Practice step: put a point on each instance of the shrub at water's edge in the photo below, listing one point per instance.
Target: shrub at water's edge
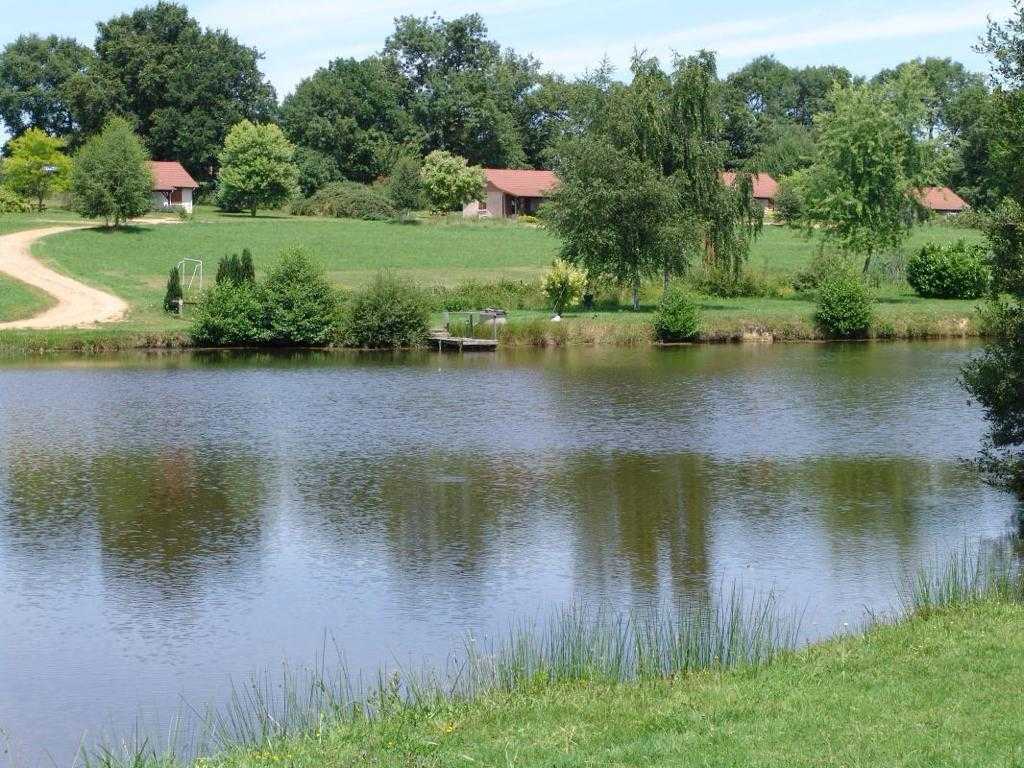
(230, 314)
(389, 313)
(302, 305)
(844, 308)
(295, 305)
(678, 316)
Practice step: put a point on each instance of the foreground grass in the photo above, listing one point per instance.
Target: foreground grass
(941, 690)
(721, 687)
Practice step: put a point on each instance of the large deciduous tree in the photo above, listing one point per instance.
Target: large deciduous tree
(111, 178)
(352, 113)
(465, 93)
(996, 379)
(871, 159)
(185, 86)
(35, 73)
(37, 166)
(618, 217)
(257, 168)
(659, 137)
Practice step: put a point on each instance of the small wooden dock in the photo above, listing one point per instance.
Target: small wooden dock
(445, 342)
(442, 337)
(464, 344)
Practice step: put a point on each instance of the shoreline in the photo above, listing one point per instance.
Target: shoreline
(517, 334)
(726, 684)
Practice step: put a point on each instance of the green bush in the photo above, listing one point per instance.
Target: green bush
(405, 188)
(724, 284)
(12, 203)
(564, 285)
(955, 271)
(504, 294)
(388, 313)
(824, 266)
(302, 305)
(347, 200)
(677, 317)
(230, 314)
(844, 308)
(789, 205)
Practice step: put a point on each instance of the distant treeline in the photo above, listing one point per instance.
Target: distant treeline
(435, 84)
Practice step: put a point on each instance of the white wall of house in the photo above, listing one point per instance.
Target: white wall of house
(495, 205)
(162, 202)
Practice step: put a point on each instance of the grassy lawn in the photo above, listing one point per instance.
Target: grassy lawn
(16, 222)
(133, 264)
(943, 690)
(18, 300)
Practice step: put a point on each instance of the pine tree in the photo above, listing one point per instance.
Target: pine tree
(246, 268)
(174, 294)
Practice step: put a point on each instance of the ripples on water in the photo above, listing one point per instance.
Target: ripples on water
(169, 521)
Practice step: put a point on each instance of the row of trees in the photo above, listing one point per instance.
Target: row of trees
(437, 84)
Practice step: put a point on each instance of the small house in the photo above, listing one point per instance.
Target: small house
(765, 187)
(172, 186)
(512, 193)
(942, 200)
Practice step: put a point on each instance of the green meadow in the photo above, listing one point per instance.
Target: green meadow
(134, 262)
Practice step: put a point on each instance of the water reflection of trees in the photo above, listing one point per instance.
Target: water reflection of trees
(642, 522)
(435, 516)
(162, 522)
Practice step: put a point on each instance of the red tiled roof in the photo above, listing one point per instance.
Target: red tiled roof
(765, 187)
(170, 175)
(941, 199)
(521, 183)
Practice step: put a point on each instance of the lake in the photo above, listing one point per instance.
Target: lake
(169, 522)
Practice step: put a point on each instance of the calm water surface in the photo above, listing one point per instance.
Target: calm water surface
(168, 522)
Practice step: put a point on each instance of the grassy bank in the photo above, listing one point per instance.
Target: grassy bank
(444, 254)
(938, 687)
(18, 300)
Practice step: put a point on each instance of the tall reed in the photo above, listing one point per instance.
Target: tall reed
(576, 644)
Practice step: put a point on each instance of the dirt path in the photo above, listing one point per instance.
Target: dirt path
(77, 304)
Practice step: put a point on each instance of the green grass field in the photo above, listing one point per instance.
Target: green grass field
(133, 263)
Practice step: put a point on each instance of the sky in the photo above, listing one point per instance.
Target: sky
(570, 36)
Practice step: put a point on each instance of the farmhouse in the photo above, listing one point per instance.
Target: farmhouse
(765, 187)
(172, 186)
(512, 192)
(942, 200)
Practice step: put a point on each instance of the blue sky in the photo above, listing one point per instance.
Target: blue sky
(569, 36)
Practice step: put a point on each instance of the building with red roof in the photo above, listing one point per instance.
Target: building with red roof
(765, 187)
(512, 192)
(172, 185)
(942, 200)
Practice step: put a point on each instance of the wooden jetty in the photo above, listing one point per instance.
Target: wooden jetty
(445, 341)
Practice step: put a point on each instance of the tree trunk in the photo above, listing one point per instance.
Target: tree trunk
(636, 296)
(867, 263)
(252, 212)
